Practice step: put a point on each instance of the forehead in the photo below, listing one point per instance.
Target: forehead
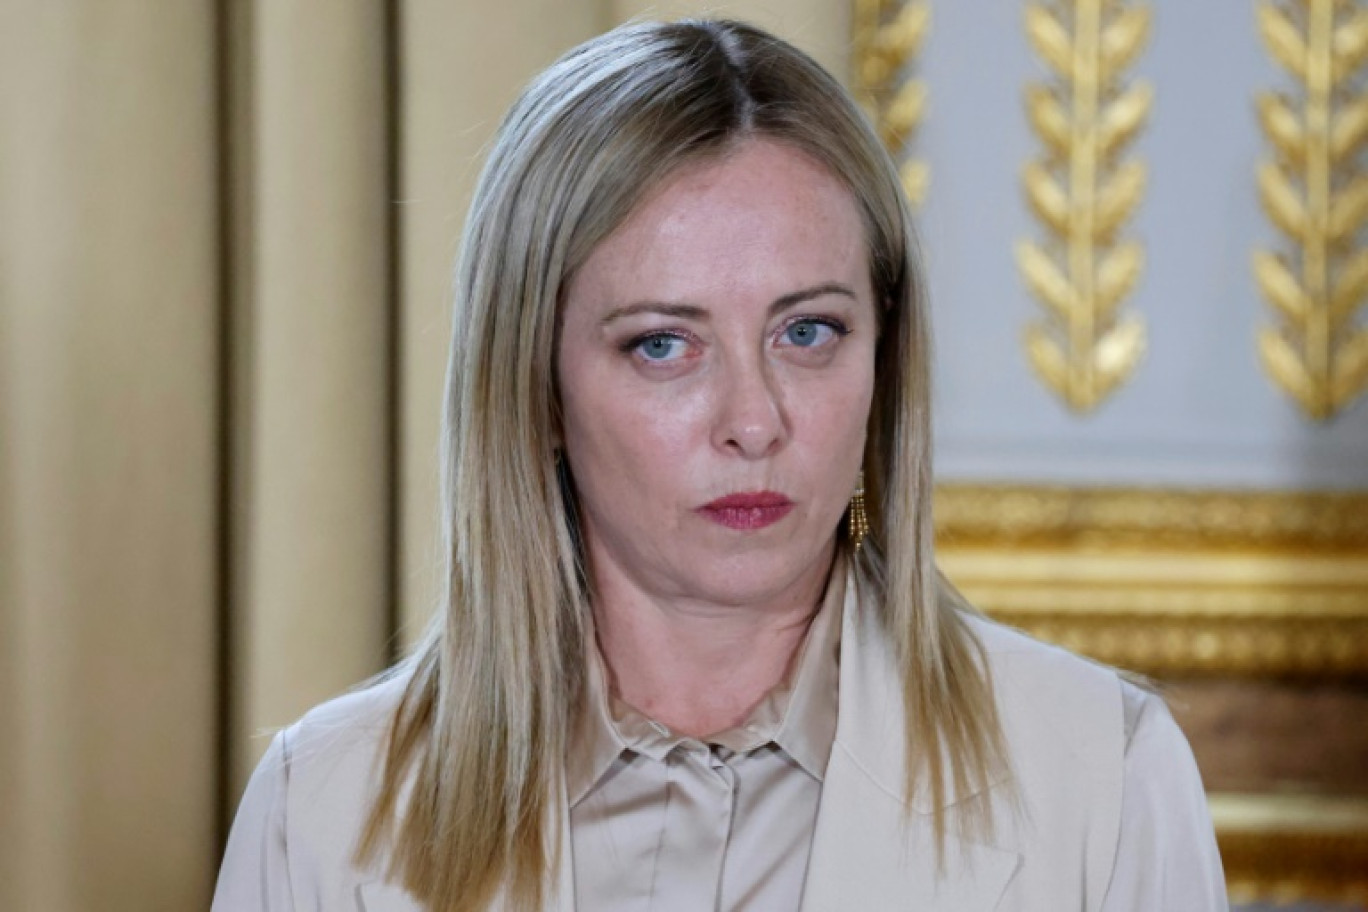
(764, 218)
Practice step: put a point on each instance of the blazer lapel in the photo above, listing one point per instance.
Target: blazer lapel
(869, 850)
(869, 853)
(564, 880)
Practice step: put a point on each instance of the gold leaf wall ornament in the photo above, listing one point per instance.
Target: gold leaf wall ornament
(888, 35)
(1083, 347)
(1315, 192)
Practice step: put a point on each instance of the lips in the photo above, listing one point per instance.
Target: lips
(748, 511)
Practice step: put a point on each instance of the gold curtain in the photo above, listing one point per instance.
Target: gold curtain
(109, 341)
(226, 233)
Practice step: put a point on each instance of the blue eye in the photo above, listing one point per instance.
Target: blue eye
(660, 347)
(808, 333)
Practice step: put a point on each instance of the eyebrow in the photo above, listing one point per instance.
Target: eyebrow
(694, 312)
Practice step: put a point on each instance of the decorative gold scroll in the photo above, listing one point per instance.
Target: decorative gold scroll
(888, 35)
(1082, 195)
(1314, 191)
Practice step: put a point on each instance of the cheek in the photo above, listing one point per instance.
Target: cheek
(621, 439)
(836, 418)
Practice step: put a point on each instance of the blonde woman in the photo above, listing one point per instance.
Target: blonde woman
(694, 653)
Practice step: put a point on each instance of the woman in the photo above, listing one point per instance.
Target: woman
(694, 653)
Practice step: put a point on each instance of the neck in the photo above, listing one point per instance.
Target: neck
(695, 667)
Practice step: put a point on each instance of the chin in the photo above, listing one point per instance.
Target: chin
(754, 575)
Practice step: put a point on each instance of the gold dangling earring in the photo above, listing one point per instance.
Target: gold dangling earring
(859, 519)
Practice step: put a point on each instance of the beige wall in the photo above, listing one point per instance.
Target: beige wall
(226, 235)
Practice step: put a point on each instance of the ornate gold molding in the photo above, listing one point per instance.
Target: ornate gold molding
(888, 34)
(1291, 847)
(1058, 515)
(1323, 644)
(1314, 191)
(1170, 582)
(1083, 349)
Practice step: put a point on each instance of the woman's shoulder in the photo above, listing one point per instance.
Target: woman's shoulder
(1063, 702)
(1099, 760)
(334, 752)
(354, 722)
(297, 826)
(329, 763)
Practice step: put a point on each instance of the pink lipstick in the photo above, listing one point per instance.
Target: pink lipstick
(748, 511)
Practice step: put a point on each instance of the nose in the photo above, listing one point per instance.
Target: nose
(752, 420)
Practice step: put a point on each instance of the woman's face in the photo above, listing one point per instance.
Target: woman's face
(716, 367)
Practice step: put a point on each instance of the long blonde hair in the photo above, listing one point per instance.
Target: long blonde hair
(468, 803)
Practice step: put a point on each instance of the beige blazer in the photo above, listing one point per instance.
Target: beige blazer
(1110, 816)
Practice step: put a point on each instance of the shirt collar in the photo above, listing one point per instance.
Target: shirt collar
(799, 714)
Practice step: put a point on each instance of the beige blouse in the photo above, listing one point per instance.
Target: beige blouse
(660, 821)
